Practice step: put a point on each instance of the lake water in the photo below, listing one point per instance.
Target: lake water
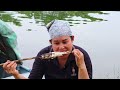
(100, 39)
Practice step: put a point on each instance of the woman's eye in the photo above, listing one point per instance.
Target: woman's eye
(56, 43)
(65, 42)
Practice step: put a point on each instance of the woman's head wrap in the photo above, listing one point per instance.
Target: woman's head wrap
(58, 28)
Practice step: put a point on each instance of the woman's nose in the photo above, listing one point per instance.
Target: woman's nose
(61, 46)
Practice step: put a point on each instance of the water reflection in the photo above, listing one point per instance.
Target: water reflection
(47, 16)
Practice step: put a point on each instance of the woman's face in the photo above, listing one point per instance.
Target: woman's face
(62, 44)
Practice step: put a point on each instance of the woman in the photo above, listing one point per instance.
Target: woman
(75, 65)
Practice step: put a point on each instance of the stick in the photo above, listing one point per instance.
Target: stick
(20, 60)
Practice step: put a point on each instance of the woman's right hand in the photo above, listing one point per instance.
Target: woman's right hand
(10, 67)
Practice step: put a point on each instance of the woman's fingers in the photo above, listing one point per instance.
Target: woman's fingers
(77, 53)
(79, 57)
(5, 64)
(10, 66)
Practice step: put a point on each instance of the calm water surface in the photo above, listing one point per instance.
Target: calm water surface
(100, 38)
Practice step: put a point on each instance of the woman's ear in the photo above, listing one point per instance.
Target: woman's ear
(72, 38)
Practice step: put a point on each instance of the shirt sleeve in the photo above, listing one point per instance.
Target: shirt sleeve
(88, 64)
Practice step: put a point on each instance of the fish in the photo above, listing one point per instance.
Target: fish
(52, 55)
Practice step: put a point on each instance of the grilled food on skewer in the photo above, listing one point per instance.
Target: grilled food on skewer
(50, 55)
(53, 55)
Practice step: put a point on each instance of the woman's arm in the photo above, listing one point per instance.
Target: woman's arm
(82, 70)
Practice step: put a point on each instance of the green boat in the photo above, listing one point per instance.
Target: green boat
(9, 49)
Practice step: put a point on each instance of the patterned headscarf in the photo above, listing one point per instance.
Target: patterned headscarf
(58, 28)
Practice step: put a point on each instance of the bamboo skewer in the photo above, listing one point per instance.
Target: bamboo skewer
(50, 55)
(20, 60)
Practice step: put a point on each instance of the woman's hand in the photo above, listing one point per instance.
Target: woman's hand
(79, 58)
(10, 67)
